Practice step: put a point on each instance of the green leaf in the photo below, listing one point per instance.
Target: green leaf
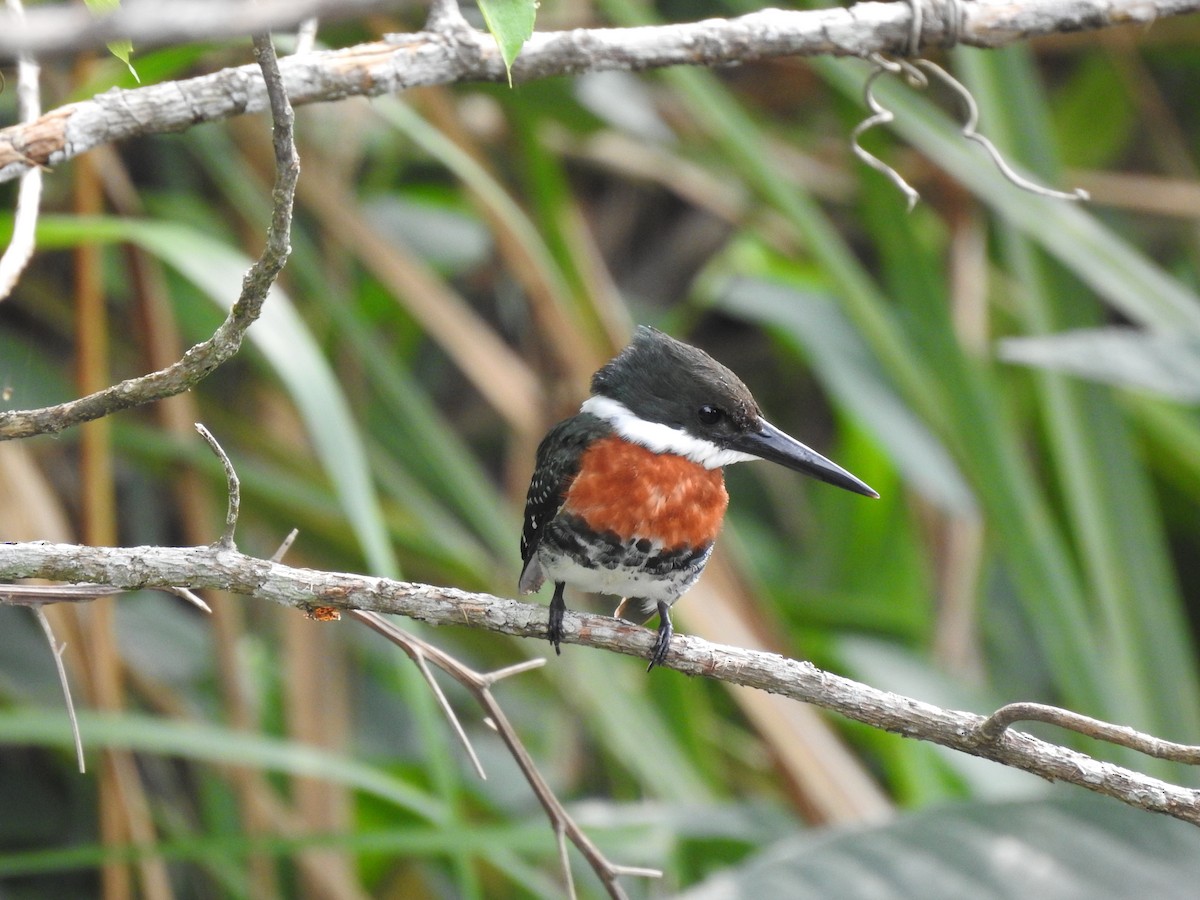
(201, 742)
(122, 50)
(511, 24)
(1082, 847)
(1168, 364)
(846, 368)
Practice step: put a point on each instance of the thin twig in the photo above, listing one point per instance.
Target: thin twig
(57, 650)
(191, 598)
(233, 487)
(306, 36)
(880, 115)
(480, 684)
(42, 594)
(1122, 735)
(206, 356)
(970, 132)
(415, 648)
(29, 106)
(284, 547)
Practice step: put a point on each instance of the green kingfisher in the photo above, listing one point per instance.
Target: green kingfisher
(627, 496)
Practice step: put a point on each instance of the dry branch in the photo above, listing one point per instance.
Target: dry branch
(135, 568)
(67, 28)
(480, 685)
(460, 54)
(206, 356)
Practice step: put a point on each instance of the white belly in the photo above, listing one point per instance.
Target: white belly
(620, 581)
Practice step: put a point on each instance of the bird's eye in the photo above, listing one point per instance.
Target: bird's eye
(708, 415)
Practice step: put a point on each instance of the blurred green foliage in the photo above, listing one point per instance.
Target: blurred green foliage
(463, 259)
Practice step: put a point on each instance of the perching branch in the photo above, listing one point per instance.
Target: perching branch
(206, 356)
(457, 53)
(134, 568)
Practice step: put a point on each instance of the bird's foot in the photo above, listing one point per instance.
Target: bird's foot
(662, 644)
(554, 628)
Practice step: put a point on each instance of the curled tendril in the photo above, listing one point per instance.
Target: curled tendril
(914, 74)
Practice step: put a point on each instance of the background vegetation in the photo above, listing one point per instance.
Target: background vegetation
(464, 258)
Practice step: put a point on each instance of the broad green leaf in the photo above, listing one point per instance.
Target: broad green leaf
(1168, 364)
(845, 366)
(1076, 847)
(215, 744)
(511, 24)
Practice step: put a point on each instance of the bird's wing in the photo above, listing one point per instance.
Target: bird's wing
(558, 458)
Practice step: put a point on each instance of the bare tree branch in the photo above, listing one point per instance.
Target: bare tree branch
(66, 28)
(457, 53)
(206, 356)
(308, 589)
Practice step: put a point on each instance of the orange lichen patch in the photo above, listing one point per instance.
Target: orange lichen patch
(630, 490)
(324, 614)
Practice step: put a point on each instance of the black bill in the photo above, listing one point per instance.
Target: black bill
(775, 446)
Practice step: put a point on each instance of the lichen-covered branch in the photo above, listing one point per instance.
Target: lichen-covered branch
(458, 53)
(60, 29)
(199, 361)
(215, 567)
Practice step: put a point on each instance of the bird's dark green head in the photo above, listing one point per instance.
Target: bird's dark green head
(673, 398)
(660, 379)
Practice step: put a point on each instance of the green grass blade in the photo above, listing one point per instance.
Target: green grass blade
(284, 341)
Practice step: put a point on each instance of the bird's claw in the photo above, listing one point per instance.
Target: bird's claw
(554, 627)
(662, 644)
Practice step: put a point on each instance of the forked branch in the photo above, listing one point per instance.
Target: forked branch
(480, 686)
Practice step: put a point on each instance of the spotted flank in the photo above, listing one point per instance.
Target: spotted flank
(603, 563)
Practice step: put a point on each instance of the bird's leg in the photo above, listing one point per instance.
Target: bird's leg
(663, 643)
(554, 630)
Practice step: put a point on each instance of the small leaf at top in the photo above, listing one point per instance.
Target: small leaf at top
(511, 24)
(122, 50)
